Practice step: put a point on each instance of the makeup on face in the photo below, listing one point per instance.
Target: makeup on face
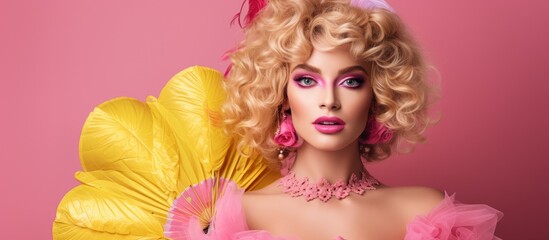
(329, 96)
(306, 76)
(329, 125)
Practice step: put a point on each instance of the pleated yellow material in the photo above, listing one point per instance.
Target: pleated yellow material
(138, 157)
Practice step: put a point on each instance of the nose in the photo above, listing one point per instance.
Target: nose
(330, 100)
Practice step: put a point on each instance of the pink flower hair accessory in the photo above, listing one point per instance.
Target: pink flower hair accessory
(375, 132)
(286, 135)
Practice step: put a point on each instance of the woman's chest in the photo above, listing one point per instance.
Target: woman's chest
(350, 220)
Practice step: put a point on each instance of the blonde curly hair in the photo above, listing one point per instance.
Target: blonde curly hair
(285, 32)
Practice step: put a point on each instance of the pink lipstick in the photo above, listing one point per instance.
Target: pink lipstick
(329, 125)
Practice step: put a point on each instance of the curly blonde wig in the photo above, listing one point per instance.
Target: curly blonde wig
(285, 33)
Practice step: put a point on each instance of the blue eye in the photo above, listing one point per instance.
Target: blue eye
(352, 82)
(305, 81)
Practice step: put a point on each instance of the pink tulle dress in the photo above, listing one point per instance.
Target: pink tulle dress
(449, 220)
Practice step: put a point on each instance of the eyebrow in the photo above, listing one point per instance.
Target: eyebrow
(316, 70)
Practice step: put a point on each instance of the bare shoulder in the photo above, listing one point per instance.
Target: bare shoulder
(269, 190)
(416, 200)
(260, 197)
(259, 203)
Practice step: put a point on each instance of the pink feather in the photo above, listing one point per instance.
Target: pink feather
(254, 6)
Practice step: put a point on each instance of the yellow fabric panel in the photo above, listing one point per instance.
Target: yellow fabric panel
(132, 186)
(88, 212)
(123, 135)
(249, 172)
(194, 97)
(189, 171)
(117, 136)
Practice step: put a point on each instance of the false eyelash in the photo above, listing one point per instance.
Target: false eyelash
(297, 79)
(360, 81)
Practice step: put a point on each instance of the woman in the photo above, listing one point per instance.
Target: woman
(316, 89)
(352, 82)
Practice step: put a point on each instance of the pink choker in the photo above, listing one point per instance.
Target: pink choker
(323, 190)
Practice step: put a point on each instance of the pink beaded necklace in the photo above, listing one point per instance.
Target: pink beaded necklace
(324, 190)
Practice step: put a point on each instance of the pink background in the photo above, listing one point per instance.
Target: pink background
(61, 58)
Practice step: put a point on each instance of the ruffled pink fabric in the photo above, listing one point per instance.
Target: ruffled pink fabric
(229, 218)
(450, 220)
(453, 220)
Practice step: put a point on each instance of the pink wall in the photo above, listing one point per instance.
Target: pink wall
(61, 58)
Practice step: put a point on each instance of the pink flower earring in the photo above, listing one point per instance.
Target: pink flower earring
(375, 132)
(286, 135)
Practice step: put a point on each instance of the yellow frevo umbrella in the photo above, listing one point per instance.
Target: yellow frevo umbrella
(137, 158)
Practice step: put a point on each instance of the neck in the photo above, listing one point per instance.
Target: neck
(331, 165)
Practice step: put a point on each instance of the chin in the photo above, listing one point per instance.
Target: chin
(329, 145)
